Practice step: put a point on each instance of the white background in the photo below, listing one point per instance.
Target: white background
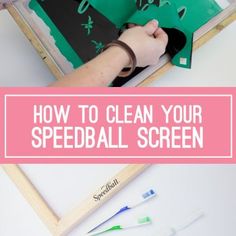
(182, 189)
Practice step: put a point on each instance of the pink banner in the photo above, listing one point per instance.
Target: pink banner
(117, 125)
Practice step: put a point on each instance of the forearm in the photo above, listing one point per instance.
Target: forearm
(147, 43)
(100, 71)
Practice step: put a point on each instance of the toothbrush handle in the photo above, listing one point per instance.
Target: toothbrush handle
(122, 210)
(190, 220)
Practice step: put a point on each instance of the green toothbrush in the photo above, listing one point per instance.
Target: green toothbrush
(141, 222)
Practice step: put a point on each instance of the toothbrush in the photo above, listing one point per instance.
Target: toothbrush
(145, 197)
(173, 230)
(141, 222)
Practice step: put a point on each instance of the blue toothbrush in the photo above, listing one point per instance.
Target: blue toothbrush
(145, 197)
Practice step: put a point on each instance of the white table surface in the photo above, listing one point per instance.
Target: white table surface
(181, 189)
(20, 65)
(213, 65)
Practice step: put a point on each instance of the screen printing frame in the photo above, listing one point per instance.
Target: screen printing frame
(59, 66)
(51, 56)
(60, 226)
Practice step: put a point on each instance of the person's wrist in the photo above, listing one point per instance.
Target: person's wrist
(122, 54)
(129, 52)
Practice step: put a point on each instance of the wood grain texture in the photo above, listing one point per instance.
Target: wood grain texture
(86, 208)
(155, 76)
(63, 226)
(33, 197)
(34, 40)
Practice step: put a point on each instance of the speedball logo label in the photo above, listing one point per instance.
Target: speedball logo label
(105, 189)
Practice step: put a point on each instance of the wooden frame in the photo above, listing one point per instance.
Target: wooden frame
(197, 44)
(62, 226)
(215, 26)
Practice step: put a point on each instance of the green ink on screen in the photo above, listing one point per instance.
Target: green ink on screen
(98, 46)
(190, 12)
(89, 25)
(195, 16)
(62, 44)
